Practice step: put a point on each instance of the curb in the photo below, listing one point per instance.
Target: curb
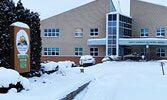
(71, 95)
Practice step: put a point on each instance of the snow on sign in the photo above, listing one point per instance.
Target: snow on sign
(20, 40)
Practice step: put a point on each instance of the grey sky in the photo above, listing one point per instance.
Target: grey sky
(48, 8)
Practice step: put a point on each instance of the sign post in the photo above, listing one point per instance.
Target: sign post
(20, 41)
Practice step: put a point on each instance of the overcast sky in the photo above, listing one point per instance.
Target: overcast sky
(48, 8)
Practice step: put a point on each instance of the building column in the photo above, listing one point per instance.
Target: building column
(117, 36)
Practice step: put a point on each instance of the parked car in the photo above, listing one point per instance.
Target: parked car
(86, 60)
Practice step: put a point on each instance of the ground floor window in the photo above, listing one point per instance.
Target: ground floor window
(143, 51)
(127, 51)
(51, 51)
(94, 51)
(78, 51)
(160, 52)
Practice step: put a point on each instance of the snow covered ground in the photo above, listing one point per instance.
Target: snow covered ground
(51, 87)
(127, 80)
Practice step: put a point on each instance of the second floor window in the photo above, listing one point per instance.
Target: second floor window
(144, 32)
(160, 32)
(51, 32)
(93, 32)
(78, 32)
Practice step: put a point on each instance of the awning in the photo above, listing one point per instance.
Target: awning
(131, 41)
(143, 41)
(101, 41)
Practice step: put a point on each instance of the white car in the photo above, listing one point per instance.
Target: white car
(86, 60)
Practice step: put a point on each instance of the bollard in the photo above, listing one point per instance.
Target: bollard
(81, 70)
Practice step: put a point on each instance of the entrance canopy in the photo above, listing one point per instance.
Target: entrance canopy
(131, 41)
(142, 41)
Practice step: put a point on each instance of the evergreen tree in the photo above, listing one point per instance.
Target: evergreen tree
(6, 18)
(35, 41)
(10, 14)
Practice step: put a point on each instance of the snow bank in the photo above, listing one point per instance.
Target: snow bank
(25, 83)
(110, 58)
(65, 67)
(9, 76)
(50, 66)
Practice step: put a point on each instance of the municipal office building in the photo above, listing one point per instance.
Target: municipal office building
(98, 29)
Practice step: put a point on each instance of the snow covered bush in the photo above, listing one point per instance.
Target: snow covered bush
(50, 66)
(11, 79)
(110, 58)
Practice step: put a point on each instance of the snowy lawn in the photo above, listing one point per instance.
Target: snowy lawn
(51, 87)
(126, 81)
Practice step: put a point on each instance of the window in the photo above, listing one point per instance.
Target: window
(78, 51)
(143, 51)
(78, 32)
(51, 51)
(127, 51)
(51, 32)
(160, 32)
(94, 51)
(144, 32)
(112, 17)
(160, 52)
(93, 32)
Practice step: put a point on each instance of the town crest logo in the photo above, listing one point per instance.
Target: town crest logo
(22, 42)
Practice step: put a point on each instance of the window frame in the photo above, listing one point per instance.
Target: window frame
(78, 51)
(144, 32)
(94, 32)
(57, 31)
(144, 51)
(160, 52)
(94, 51)
(79, 32)
(160, 32)
(57, 50)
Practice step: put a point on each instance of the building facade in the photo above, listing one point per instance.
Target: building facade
(99, 30)
(150, 26)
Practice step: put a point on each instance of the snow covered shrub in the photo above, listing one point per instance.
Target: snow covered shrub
(110, 58)
(11, 79)
(49, 67)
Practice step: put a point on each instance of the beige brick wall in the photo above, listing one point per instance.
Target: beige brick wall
(147, 15)
(91, 15)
